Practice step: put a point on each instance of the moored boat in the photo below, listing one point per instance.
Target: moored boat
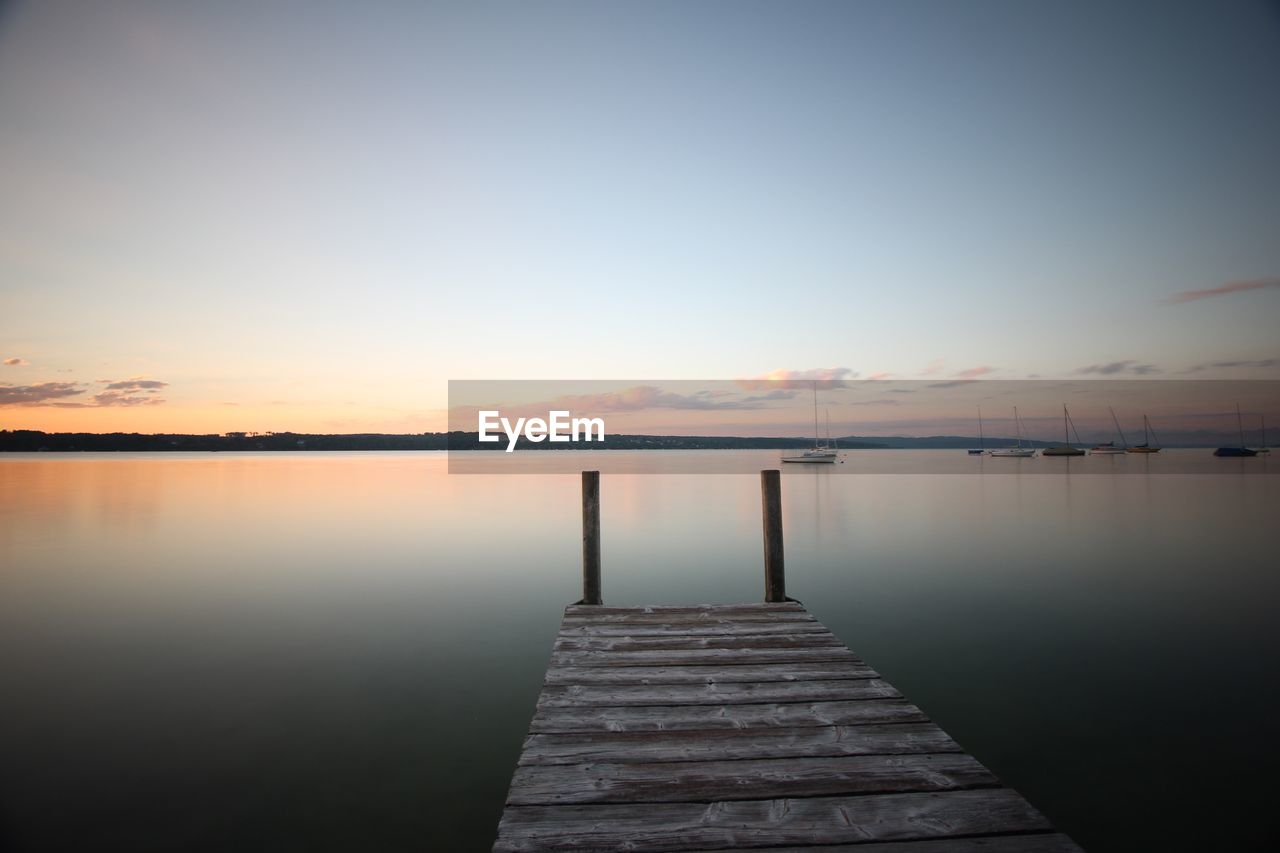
(1018, 451)
(820, 454)
(1066, 448)
(1147, 434)
(982, 444)
(1240, 452)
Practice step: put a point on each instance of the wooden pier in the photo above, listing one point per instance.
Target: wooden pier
(749, 726)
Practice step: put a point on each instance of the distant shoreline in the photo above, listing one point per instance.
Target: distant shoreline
(36, 441)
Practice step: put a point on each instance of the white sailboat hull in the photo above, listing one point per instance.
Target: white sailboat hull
(811, 458)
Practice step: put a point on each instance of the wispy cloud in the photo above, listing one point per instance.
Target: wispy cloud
(826, 377)
(1224, 289)
(136, 384)
(124, 398)
(124, 392)
(16, 362)
(974, 372)
(1228, 365)
(1114, 367)
(40, 394)
(642, 397)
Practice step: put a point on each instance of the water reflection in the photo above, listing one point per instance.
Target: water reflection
(342, 651)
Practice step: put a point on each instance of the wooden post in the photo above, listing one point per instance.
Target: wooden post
(775, 579)
(590, 537)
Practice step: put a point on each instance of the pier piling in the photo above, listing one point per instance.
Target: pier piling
(775, 578)
(591, 537)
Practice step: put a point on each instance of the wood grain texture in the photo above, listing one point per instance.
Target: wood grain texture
(713, 717)
(593, 695)
(743, 727)
(766, 823)
(719, 641)
(699, 628)
(680, 657)
(746, 779)
(721, 745)
(709, 673)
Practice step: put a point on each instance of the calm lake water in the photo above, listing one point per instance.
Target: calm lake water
(342, 651)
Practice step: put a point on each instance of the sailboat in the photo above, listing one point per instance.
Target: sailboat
(1147, 434)
(1019, 451)
(1066, 448)
(1106, 447)
(981, 441)
(819, 454)
(1240, 451)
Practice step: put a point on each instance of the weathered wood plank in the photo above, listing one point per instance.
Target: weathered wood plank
(718, 609)
(723, 641)
(704, 618)
(1038, 843)
(718, 717)
(811, 742)
(697, 781)
(709, 673)
(680, 657)
(701, 628)
(743, 727)
(764, 823)
(593, 695)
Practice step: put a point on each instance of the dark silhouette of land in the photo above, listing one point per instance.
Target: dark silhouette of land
(32, 441)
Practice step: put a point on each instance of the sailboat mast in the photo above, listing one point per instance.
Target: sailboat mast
(982, 444)
(1240, 424)
(1123, 441)
(1064, 424)
(815, 414)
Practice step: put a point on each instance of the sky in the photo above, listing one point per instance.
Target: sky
(312, 216)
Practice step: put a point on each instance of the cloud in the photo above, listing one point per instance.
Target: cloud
(16, 362)
(974, 372)
(135, 385)
(951, 383)
(1126, 366)
(652, 397)
(124, 398)
(878, 376)
(1224, 289)
(932, 367)
(40, 394)
(123, 392)
(826, 377)
(1227, 365)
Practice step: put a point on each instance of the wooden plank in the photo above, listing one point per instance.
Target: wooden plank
(764, 823)
(1052, 842)
(698, 618)
(698, 781)
(709, 673)
(718, 717)
(743, 727)
(593, 695)
(700, 628)
(680, 657)
(716, 609)
(724, 641)
(811, 742)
